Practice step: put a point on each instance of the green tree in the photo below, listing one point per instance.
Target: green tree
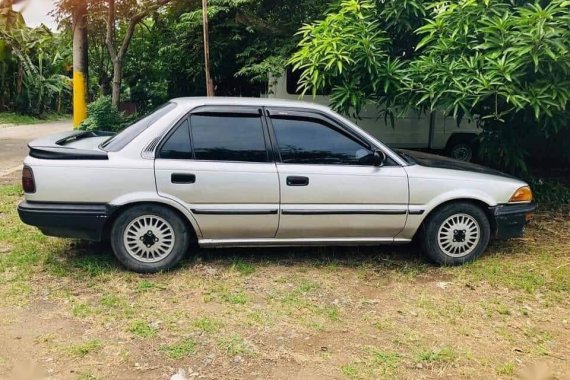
(506, 61)
(249, 39)
(33, 68)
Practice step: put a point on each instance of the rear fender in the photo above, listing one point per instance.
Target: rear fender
(150, 197)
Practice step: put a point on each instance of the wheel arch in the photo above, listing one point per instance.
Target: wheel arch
(118, 209)
(482, 204)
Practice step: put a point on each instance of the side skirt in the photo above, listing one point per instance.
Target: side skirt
(271, 242)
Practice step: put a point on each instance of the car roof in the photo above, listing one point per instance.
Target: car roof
(238, 101)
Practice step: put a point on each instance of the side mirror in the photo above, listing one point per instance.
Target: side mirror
(378, 158)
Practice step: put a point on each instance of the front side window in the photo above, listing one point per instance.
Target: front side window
(304, 141)
(228, 138)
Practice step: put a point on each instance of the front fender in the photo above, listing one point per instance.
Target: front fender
(458, 194)
(417, 213)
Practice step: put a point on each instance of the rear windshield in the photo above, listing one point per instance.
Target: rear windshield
(120, 140)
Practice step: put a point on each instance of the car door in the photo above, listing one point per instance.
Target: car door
(217, 163)
(330, 188)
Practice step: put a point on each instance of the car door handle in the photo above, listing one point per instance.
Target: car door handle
(297, 181)
(182, 178)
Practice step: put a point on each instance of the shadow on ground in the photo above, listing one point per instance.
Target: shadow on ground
(97, 258)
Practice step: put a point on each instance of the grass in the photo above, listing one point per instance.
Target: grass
(349, 370)
(208, 325)
(223, 293)
(376, 364)
(243, 267)
(444, 354)
(81, 310)
(87, 376)
(17, 119)
(507, 369)
(362, 313)
(83, 349)
(180, 349)
(236, 345)
(142, 329)
(145, 286)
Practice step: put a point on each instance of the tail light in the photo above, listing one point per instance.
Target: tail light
(28, 183)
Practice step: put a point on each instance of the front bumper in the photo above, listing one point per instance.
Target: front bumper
(510, 219)
(79, 221)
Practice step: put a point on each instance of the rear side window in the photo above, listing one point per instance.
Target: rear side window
(228, 138)
(178, 145)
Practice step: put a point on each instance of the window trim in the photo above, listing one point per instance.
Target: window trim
(238, 111)
(274, 155)
(224, 111)
(320, 118)
(286, 113)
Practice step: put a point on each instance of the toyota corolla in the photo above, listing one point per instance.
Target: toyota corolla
(260, 172)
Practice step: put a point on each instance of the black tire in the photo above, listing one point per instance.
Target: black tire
(168, 230)
(448, 222)
(462, 148)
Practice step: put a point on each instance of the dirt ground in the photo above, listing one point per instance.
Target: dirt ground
(69, 311)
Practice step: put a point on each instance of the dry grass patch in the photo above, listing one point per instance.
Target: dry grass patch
(362, 313)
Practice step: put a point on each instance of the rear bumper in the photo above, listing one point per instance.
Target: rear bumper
(79, 221)
(510, 219)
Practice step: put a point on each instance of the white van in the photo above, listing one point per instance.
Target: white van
(416, 130)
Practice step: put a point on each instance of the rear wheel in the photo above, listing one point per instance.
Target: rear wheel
(456, 233)
(462, 148)
(149, 238)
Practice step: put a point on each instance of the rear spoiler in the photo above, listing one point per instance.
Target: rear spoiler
(54, 147)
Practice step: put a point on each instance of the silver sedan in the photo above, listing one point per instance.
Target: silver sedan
(260, 172)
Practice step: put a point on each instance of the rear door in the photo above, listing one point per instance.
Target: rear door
(330, 188)
(217, 163)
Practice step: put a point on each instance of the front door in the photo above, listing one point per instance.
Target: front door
(330, 188)
(218, 165)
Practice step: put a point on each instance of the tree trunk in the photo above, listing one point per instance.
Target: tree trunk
(118, 55)
(79, 21)
(116, 85)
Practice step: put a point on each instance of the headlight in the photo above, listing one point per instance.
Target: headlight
(523, 194)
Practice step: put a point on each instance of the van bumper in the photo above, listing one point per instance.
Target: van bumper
(79, 221)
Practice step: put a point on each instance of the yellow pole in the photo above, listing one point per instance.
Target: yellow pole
(79, 96)
(79, 62)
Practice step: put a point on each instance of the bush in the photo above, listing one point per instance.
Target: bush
(550, 193)
(506, 61)
(102, 116)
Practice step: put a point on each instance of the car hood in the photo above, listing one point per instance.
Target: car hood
(436, 161)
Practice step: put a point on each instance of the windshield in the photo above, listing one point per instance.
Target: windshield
(120, 140)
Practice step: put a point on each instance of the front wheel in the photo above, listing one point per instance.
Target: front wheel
(149, 238)
(455, 234)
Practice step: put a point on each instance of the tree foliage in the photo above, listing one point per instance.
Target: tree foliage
(33, 68)
(506, 62)
(249, 41)
(102, 116)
